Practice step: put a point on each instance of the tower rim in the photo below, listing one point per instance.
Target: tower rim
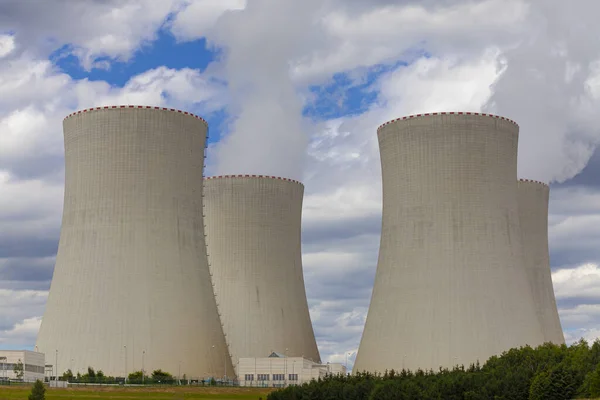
(253, 176)
(134, 107)
(469, 113)
(525, 180)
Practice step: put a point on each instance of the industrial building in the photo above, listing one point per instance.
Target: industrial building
(32, 363)
(277, 370)
(533, 214)
(450, 286)
(131, 288)
(254, 251)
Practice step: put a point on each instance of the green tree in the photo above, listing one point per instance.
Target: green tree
(135, 377)
(162, 376)
(67, 375)
(19, 370)
(556, 384)
(594, 382)
(38, 392)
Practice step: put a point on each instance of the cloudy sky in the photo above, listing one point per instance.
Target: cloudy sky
(297, 89)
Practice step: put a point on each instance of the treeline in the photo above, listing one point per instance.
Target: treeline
(547, 372)
(138, 377)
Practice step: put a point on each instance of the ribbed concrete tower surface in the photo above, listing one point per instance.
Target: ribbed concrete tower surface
(253, 239)
(533, 213)
(450, 287)
(131, 282)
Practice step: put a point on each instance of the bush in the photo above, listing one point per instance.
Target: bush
(38, 392)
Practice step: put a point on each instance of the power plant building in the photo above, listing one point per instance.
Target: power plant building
(254, 249)
(533, 213)
(131, 287)
(450, 286)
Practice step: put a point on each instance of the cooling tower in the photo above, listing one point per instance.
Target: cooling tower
(131, 285)
(533, 213)
(253, 240)
(450, 287)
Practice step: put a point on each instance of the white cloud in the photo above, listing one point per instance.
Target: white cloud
(197, 18)
(23, 333)
(184, 88)
(7, 45)
(89, 29)
(387, 33)
(14, 328)
(578, 298)
(580, 282)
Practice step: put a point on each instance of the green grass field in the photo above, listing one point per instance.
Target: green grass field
(147, 393)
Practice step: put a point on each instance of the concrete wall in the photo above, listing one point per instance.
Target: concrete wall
(450, 286)
(131, 281)
(254, 250)
(533, 213)
(33, 364)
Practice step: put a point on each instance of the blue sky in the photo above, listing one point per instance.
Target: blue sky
(301, 96)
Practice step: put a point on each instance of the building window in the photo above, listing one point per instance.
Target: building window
(263, 377)
(249, 377)
(293, 377)
(278, 377)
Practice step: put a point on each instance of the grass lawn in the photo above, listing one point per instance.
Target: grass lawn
(147, 393)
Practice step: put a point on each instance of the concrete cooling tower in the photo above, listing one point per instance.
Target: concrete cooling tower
(131, 285)
(450, 287)
(533, 213)
(253, 239)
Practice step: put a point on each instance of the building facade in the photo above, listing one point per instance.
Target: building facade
(533, 213)
(31, 363)
(254, 249)
(450, 287)
(131, 287)
(277, 370)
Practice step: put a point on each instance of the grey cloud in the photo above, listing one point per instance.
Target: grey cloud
(571, 302)
(48, 167)
(25, 285)
(29, 246)
(27, 269)
(316, 231)
(589, 177)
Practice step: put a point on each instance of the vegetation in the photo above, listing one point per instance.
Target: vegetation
(38, 392)
(19, 370)
(160, 376)
(549, 372)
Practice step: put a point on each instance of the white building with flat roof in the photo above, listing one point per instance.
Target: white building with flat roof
(33, 365)
(277, 370)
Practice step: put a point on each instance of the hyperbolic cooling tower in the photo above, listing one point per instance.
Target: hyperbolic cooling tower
(533, 213)
(131, 283)
(254, 251)
(450, 287)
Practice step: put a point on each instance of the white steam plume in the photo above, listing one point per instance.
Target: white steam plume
(269, 134)
(547, 88)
